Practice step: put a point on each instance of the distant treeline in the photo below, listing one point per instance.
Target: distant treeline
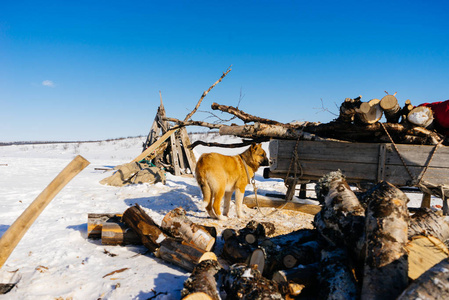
(65, 142)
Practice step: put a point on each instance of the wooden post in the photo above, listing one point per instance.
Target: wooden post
(425, 203)
(14, 234)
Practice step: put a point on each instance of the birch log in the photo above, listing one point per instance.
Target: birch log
(386, 268)
(178, 225)
(203, 280)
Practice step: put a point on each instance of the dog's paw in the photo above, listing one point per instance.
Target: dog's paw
(222, 218)
(240, 214)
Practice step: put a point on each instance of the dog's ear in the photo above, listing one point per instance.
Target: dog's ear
(253, 145)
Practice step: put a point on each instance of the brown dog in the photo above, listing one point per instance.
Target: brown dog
(220, 175)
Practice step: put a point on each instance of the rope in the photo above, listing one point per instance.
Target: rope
(417, 181)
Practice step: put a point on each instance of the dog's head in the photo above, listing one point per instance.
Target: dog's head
(258, 155)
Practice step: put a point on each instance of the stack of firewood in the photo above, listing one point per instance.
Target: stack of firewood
(363, 246)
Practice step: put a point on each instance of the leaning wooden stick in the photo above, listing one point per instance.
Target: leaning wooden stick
(14, 234)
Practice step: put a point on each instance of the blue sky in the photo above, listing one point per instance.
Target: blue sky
(88, 70)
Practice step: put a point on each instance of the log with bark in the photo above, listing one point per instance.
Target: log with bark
(255, 231)
(348, 109)
(391, 108)
(421, 116)
(426, 222)
(150, 234)
(202, 283)
(369, 112)
(178, 225)
(385, 272)
(341, 219)
(182, 254)
(118, 233)
(336, 279)
(246, 282)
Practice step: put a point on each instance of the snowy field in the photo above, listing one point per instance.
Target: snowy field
(55, 260)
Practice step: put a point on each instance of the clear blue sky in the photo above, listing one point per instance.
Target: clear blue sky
(88, 70)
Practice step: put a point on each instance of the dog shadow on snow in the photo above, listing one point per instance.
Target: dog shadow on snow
(183, 194)
(161, 284)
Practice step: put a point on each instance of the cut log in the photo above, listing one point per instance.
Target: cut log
(336, 280)
(305, 278)
(302, 274)
(265, 201)
(385, 272)
(258, 259)
(423, 253)
(342, 214)
(421, 116)
(369, 112)
(391, 108)
(428, 222)
(150, 234)
(243, 282)
(118, 233)
(348, 109)
(95, 223)
(433, 284)
(228, 233)
(303, 254)
(255, 231)
(183, 254)
(202, 283)
(178, 225)
(236, 252)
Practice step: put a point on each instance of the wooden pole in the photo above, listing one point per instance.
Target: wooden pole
(14, 234)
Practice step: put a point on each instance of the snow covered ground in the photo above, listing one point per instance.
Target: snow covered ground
(55, 260)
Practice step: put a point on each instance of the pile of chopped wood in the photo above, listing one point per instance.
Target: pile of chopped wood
(363, 246)
(357, 122)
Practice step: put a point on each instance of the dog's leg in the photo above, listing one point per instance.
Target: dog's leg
(218, 197)
(207, 198)
(227, 203)
(239, 202)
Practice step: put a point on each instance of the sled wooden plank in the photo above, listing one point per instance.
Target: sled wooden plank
(265, 201)
(14, 234)
(174, 155)
(189, 153)
(324, 151)
(154, 146)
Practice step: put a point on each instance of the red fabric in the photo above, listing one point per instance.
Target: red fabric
(440, 113)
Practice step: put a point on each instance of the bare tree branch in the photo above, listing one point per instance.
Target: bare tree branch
(245, 117)
(192, 123)
(206, 92)
(237, 145)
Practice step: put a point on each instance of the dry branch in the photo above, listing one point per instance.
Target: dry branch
(205, 93)
(245, 117)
